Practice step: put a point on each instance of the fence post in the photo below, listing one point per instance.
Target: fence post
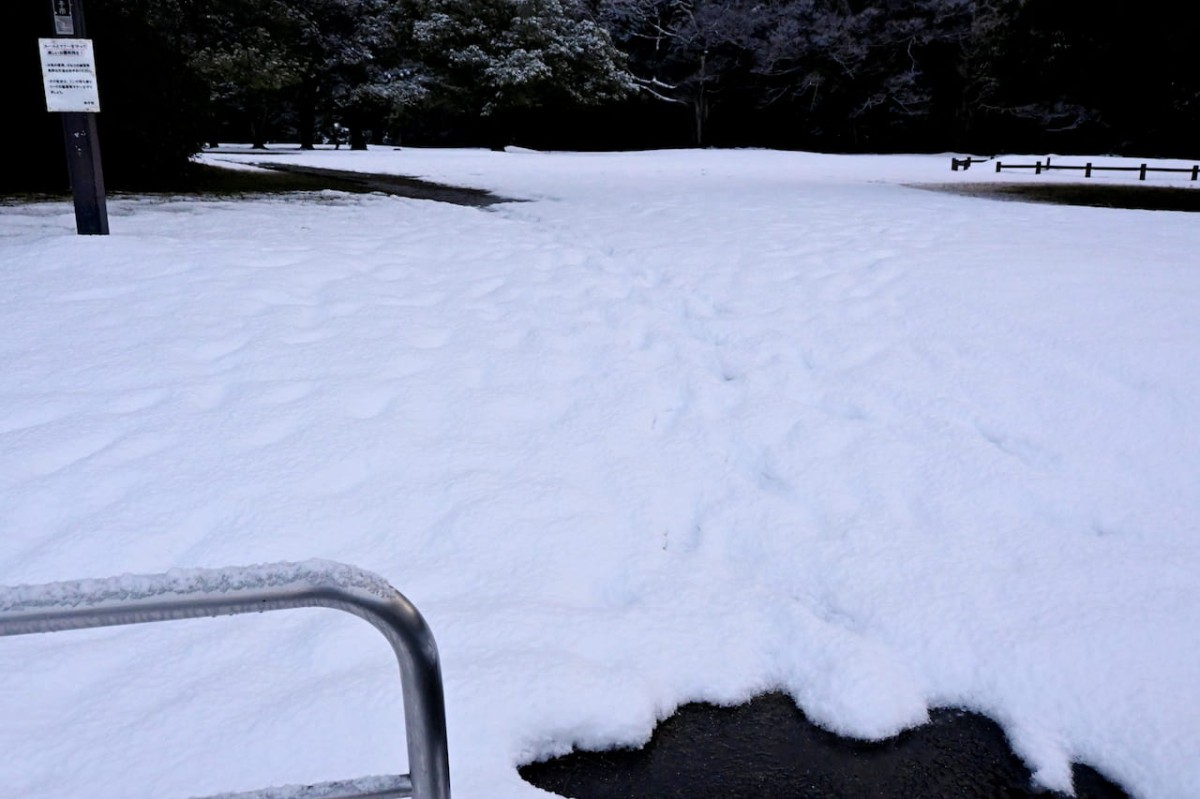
(1142, 173)
(1037, 170)
(1195, 171)
(1087, 171)
(999, 166)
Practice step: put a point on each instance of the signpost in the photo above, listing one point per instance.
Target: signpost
(69, 76)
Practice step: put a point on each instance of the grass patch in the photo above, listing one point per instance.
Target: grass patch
(203, 180)
(213, 180)
(1147, 198)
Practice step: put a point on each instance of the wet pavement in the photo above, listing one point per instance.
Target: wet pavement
(767, 749)
(397, 185)
(1096, 195)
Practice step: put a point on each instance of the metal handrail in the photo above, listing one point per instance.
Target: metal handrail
(198, 593)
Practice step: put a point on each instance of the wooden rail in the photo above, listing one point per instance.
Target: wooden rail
(1088, 168)
(965, 163)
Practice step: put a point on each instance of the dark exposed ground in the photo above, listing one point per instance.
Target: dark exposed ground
(277, 178)
(280, 178)
(390, 184)
(767, 749)
(1150, 198)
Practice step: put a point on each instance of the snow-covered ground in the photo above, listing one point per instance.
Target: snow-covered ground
(682, 425)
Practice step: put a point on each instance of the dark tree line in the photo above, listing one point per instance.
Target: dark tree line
(978, 75)
(843, 75)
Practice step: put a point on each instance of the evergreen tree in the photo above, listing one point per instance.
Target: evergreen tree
(492, 58)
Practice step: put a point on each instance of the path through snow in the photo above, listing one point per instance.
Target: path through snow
(685, 426)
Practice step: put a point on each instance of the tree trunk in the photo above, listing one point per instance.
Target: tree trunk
(700, 103)
(499, 131)
(358, 135)
(308, 115)
(258, 129)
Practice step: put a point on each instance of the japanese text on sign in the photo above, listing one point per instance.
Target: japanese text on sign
(69, 75)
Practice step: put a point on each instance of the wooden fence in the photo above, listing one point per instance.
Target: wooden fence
(1087, 169)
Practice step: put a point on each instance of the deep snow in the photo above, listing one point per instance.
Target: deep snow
(683, 425)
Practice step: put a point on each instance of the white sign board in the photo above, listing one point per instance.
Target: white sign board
(69, 75)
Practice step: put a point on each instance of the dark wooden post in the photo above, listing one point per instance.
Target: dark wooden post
(80, 137)
(1087, 171)
(1195, 171)
(1142, 173)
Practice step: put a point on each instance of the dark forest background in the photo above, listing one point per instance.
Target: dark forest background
(834, 75)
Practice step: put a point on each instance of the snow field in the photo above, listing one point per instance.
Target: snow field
(682, 426)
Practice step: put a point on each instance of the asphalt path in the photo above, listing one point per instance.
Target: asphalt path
(767, 749)
(397, 185)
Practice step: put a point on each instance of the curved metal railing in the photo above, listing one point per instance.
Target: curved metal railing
(196, 593)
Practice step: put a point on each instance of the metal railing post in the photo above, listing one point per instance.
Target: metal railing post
(197, 593)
